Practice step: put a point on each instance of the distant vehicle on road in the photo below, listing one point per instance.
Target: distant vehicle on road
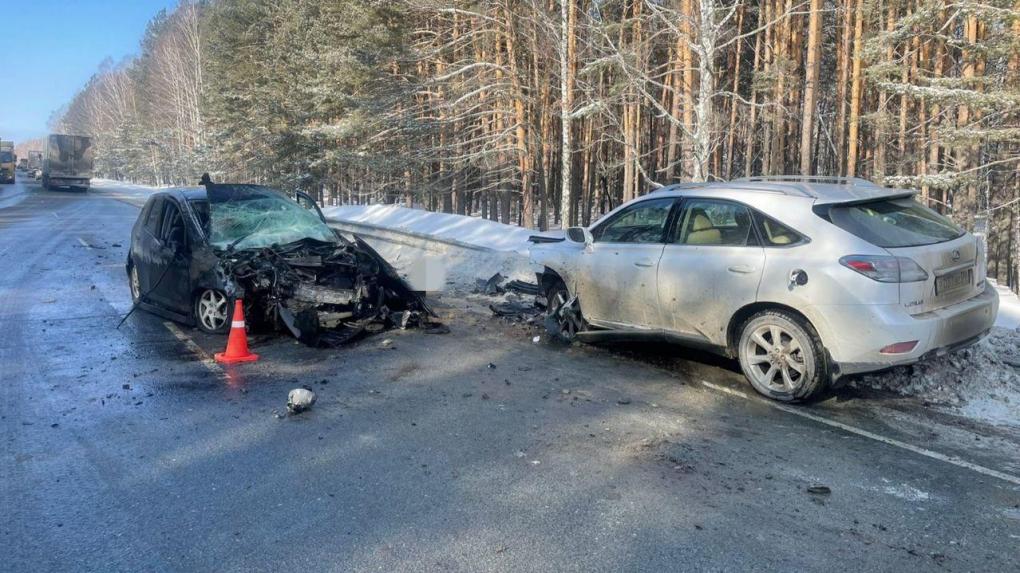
(67, 162)
(803, 280)
(7, 162)
(34, 160)
(23, 164)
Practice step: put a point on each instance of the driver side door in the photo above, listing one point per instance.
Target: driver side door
(616, 284)
(172, 281)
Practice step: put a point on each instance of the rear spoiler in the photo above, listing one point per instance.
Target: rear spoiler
(860, 200)
(822, 208)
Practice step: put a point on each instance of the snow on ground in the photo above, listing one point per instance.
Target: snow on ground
(129, 192)
(1009, 307)
(438, 251)
(980, 382)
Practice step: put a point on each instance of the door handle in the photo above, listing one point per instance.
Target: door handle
(741, 269)
(644, 263)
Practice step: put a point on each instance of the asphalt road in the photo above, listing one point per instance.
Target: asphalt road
(479, 450)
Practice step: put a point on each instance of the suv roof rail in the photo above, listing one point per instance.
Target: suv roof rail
(831, 179)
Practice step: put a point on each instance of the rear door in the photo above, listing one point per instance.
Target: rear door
(710, 267)
(616, 283)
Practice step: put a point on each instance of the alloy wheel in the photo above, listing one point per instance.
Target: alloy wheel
(776, 358)
(212, 310)
(136, 288)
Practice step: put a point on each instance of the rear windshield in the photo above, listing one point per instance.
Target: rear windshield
(892, 223)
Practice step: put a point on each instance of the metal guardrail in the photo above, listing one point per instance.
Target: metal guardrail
(421, 236)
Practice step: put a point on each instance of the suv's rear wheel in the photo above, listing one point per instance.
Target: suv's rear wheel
(213, 311)
(782, 356)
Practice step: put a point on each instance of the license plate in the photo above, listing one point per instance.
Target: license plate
(954, 281)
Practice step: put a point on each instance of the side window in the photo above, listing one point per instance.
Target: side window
(642, 222)
(173, 231)
(713, 222)
(154, 216)
(776, 234)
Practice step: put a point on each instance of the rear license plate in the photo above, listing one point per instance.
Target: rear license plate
(954, 281)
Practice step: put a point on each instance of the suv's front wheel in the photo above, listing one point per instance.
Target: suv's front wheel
(782, 356)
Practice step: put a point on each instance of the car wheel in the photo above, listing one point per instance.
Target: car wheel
(782, 356)
(562, 314)
(135, 284)
(212, 311)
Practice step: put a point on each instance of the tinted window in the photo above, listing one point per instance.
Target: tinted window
(776, 234)
(173, 224)
(894, 223)
(154, 216)
(707, 222)
(642, 222)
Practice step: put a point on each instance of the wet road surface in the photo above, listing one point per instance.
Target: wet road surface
(128, 450)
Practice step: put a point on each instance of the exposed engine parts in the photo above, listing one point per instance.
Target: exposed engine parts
(325, 294)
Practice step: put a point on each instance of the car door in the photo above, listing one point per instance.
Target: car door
(145, 243)
(172, 286)
(616, 284)
(710, 267)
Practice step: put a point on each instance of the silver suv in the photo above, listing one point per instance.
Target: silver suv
(803, 280)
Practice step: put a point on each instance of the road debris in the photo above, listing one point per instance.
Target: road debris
(299, 400)
(819, 489)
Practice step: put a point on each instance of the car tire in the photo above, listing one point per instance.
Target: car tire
(213, 311)
(795, 370)
(134, 284)
(568, 326)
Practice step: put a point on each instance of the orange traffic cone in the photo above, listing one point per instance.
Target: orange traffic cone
(237, 343)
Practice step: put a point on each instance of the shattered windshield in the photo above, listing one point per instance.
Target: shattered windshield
(253, 216)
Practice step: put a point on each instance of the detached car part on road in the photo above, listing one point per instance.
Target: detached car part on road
(803, 280)
(195, 250)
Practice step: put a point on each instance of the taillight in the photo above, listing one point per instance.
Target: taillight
(885, 269)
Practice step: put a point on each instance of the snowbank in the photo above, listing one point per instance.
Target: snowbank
(981, 382)
(473, 231)
(128, 192)
(1009, 307)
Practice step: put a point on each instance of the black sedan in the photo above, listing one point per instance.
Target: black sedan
(195, 250)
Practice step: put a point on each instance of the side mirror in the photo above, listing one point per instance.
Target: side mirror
(580, 235)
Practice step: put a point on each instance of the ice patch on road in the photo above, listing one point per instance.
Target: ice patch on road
(904, 491)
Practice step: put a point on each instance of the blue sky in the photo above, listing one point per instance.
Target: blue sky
(52, 47)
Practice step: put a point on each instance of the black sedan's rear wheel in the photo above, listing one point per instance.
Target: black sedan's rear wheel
(135, 284)
(213, 311)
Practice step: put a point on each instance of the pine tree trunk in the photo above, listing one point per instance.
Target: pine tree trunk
(814, 60)
(856, 87)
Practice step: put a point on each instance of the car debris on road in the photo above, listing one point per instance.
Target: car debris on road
(299, 400)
